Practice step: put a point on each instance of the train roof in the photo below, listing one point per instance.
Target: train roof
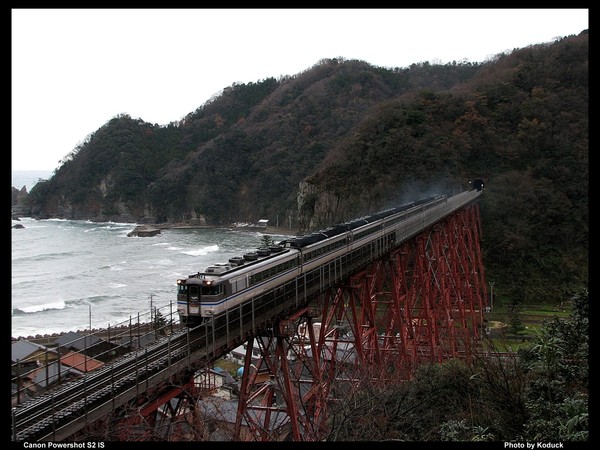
(262, 254)
(241, 262)
(308, 239)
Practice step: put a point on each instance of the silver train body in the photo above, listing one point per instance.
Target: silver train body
(305, 265)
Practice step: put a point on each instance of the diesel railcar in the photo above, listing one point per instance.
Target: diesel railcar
(263, 282)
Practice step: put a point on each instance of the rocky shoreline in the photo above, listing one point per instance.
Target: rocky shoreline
(265, 230)
(18, 209)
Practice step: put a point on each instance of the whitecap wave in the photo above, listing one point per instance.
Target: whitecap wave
(38, 308)
(203, 251)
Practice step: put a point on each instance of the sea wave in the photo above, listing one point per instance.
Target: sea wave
(38, 308)
(62, 276)
(48, 256)
(202, 251)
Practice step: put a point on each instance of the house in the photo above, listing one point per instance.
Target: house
(33, 369)
(238, 354)
(80, 362)
(136, 342)
(38, 380)
(219, 418)
(90, 345)
(53, 373)
(217, 382)
(28, 354)
(262, 223)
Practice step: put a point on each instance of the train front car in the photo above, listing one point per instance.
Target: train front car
(194, 294)
(188, 301)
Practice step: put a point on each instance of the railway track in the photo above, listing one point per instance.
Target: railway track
(67, 409)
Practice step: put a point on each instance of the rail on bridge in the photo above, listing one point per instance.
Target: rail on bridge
(422, 301)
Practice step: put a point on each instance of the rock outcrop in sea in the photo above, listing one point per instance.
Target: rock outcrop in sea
(17, 203)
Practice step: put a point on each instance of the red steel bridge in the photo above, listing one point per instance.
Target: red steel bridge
(421, 301)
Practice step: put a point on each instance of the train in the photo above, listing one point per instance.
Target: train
(265, 282)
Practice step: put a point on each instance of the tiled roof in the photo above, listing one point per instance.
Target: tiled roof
(80, 362)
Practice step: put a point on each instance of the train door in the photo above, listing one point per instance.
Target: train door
(193, 300)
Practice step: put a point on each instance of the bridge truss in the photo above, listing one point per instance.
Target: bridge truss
(423, 302)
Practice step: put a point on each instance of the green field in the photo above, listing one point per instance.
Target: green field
(512, 328)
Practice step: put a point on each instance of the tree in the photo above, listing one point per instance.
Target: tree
(558, 365)
(516, 324)
(266, 241)
(159, 322)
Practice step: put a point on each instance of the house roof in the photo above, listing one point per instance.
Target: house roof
(141, 341)
(218, 372)
(23, 348)
(77, 341)
(220, 409)
(81, 362)
(48, 375)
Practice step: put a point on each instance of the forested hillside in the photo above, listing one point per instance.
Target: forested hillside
(345, 138)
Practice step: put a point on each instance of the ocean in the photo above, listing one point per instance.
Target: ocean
(75, 275)
(28, 178)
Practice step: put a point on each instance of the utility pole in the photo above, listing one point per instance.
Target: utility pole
(85, 354)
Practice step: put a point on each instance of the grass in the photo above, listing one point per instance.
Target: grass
(507, 335)
(229, 366)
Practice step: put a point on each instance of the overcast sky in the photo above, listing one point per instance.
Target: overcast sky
(75, 69)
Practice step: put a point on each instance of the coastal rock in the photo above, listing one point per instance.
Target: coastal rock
(143, 231)
(18, 202)
(18, 197)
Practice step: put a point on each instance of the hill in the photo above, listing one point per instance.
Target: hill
(345, 138)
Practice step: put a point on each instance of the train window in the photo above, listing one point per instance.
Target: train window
(212, 290)
(193, 290)
(239, 285)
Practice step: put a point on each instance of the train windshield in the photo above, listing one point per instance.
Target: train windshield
(189, 291)
(195, 291)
